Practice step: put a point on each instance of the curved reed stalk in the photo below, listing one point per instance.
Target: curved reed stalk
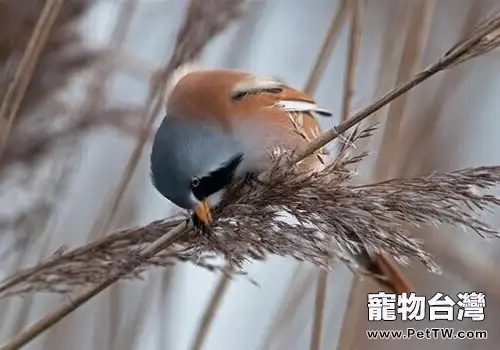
(354, 40)
(378, 210)
(19, 84)
(421, 14)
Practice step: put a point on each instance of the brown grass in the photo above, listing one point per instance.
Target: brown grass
(325, 51)
(326, 205)
(17, 87)
(354, 39)
(210, 312)
(40, 51)
(478, 42)
(418, 28)
(380, 213)
(418, 140)
(17, 24)
(319, 310)
(42, 72)
(416, 39)
(298, 288)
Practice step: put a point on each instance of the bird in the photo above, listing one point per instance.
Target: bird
(218, 128)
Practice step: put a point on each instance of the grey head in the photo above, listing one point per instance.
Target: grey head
(193, 162)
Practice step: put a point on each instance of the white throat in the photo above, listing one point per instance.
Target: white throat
(215, 198)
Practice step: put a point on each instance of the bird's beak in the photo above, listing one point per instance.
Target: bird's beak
(202, 211)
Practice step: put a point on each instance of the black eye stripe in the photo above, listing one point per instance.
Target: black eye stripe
(218, 179)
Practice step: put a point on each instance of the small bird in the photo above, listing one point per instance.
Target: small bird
(219, 127)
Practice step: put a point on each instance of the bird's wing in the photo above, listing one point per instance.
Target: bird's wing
(283, 105)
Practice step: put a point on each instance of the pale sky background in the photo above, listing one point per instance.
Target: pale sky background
(282, 38)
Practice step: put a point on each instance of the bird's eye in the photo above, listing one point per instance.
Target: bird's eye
(195, 182)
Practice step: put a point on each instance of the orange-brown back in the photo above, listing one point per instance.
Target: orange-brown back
(209, 95)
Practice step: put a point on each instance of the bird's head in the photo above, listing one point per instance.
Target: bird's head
(192, 165)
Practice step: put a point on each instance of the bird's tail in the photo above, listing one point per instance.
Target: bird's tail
(390, 276)
(394, 278)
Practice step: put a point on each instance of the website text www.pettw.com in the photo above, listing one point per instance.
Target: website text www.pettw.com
(427, 333)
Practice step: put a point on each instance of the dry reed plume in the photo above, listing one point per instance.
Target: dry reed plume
(63, 55)
(39, 129)
(325, 205)
(248, 225)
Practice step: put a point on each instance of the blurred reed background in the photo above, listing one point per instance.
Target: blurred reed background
(75, 143)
